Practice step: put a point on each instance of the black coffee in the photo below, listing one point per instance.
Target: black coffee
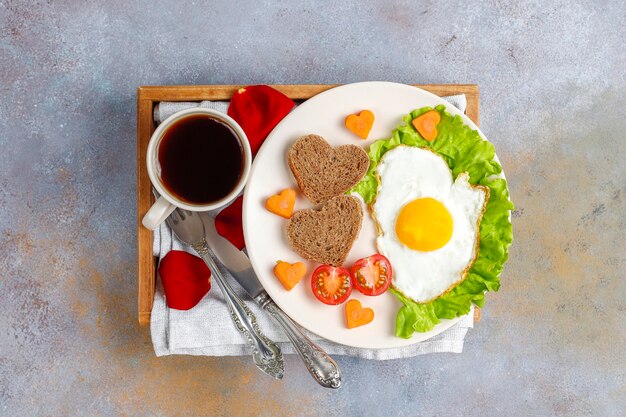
(201, 159)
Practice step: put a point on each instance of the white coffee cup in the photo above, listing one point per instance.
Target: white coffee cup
(168, 202)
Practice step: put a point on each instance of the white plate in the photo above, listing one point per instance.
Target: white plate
(265, 233)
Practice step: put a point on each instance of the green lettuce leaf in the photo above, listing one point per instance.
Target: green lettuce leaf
(464, 150)
(414, 317)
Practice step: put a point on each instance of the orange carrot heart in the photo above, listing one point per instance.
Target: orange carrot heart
(289, 274)
(282, 204)
(360, 124)
(426, 124)
(356, 315)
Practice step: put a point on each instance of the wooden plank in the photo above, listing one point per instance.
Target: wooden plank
(146, 265)
(473, 105)
(147, 97)
(295, 92)
(477, 314)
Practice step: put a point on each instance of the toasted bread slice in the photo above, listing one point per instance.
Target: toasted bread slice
(326, 235)
(323, 172)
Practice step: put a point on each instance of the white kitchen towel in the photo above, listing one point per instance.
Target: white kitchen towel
(207, 328)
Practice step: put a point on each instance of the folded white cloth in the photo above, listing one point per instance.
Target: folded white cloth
(207, 329)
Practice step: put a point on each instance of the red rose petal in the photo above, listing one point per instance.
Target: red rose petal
(186, 279)
(228, 224)
(258, 109)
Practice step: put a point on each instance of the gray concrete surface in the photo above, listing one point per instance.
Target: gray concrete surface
(551, 74)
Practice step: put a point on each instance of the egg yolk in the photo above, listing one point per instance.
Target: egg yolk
(424, 224)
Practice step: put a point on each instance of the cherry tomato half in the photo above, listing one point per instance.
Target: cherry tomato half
(372, 275)
(331, 285)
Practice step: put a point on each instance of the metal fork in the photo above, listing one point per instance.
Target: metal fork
(267, 356)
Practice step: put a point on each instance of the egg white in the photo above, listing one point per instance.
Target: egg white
(407, 173)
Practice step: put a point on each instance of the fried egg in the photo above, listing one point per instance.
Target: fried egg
(427, 223)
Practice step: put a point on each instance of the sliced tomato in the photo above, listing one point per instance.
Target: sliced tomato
(331, 285)
(371, 275)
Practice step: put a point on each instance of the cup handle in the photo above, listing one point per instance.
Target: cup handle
(157, 213)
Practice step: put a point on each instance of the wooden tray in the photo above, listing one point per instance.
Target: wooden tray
(148, 97)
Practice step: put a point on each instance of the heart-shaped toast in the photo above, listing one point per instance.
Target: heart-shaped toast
(360, 124)
(323, 172)
(326, 235)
